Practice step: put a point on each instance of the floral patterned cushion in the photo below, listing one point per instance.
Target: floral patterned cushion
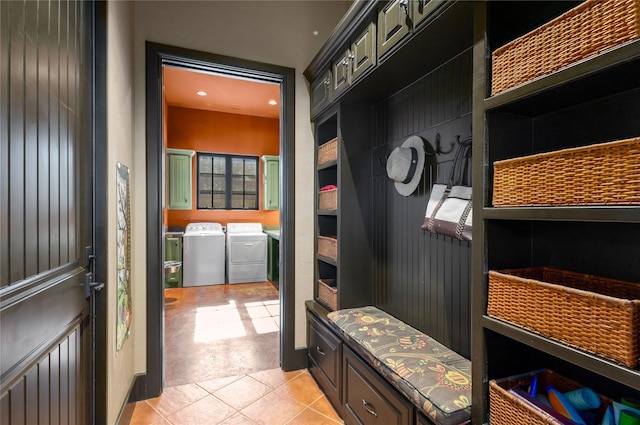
(435, 378)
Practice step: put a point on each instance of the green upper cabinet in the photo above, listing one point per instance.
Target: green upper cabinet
(271, 179)
(179, 179)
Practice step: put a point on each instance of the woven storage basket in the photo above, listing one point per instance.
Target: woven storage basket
(584, 31)
(606, 173)
(328, 199)
(328, 247)
(595, 314)
(328, 293)
(506, 408)
(328, 151)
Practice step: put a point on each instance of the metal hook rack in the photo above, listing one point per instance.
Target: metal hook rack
(439, 150)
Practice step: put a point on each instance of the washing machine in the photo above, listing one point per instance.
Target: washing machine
(246, 253)
(203, 255)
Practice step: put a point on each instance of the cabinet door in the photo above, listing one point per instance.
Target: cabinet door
(340, 73)
(273, 259)
(179, 179)
(367, 399)
(393, 24)
(420, 9)
(320, 92)
(363, 52)
(173, 252)
(271, 179)
(325, 359)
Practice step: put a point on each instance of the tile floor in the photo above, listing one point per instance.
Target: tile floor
(268, 397)
(229, 336)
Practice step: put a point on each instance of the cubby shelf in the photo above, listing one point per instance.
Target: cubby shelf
(594, 100)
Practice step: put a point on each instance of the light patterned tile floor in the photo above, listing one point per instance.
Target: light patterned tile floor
(268, 397)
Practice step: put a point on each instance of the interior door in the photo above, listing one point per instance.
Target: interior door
(46, 223)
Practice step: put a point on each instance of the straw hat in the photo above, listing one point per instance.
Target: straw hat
(405, 164)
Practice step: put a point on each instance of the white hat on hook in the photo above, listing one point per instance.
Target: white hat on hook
(405, 164)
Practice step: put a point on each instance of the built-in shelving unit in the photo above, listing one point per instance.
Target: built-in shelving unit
(349, 222)
(593, 101)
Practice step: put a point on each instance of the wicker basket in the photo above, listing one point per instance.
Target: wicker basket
(506, 408)
(328, 293)
(584, 31)
(328, 247)
(328, 199)
(595, 314)
(328, 151)
(606, 173)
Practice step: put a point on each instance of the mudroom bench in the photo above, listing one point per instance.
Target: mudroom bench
(375, 369)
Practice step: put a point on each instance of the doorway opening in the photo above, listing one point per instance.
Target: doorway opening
(157, 58)
(220, 324)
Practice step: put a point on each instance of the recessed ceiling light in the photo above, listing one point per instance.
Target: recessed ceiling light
(315, 33)
(201, 93)
(273, 102)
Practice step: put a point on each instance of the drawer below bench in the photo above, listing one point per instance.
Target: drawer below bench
(368, 399)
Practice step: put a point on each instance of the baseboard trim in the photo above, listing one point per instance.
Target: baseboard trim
(126, 412)
(297, 361)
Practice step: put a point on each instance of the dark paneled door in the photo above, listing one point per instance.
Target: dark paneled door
(45, 211)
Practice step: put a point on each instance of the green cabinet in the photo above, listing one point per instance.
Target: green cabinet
(273, 258)
(173, 252)
(271, 180)
(179, 179)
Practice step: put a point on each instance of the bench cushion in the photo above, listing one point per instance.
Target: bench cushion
(435, 378)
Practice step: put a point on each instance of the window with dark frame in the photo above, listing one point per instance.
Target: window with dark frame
(227, 182)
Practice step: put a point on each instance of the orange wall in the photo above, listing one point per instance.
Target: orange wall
(216, 132)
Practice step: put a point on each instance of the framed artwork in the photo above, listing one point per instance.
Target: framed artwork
(123, 254)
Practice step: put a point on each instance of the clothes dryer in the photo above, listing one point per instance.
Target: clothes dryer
(246, 253)
(203, 255)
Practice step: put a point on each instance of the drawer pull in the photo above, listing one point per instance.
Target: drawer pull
(320, 351)
(367, 408)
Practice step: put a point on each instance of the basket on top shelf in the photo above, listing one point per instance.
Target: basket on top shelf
(328, 293)
(600, 174)
(584, 31)
(328, 247)
(328, 151)
(595, 314)
(507, 408)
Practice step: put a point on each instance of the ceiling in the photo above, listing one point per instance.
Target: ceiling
(224, 93)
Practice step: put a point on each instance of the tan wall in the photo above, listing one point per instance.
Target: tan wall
(120, 142)
(207, 131)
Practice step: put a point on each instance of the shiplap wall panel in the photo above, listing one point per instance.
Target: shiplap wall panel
(419, 277)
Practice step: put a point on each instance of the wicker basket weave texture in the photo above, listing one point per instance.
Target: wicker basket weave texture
(328, 151)
(328, 293)
(328, 199)
(508, 409)
(584, 31)
(600, 174)
(595, 314)
(328, 247)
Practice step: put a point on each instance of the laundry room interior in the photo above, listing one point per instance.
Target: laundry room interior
(221, 224)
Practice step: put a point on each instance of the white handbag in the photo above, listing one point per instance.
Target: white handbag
(450, 207)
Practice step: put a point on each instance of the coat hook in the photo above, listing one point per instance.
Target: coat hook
(439, 150)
